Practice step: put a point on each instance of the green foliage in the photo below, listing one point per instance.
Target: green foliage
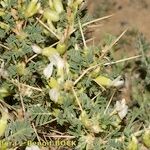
(40, 115)
(50, 93)
(19, 132)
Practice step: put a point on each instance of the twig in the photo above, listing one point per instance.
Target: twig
(7, 105)
(88, 40)
(83, 38)
(84, 72)
(107, 48)
(96, 20)
(95, 26)
(45, 139)
(93, 21)
(91, 39)
(29, 86)
(2, 60)
(4, 46)
(36, 132)
(57, 132)
(35, 55)
(143, 54)
(61, 136)
(77, 99)
(138, 133)
(42, 23)
(109, 102)
(96, 96)
(34, 88)
(37, 20)
(122, 60)
(21, 99)
(48, 122)
(54, 44)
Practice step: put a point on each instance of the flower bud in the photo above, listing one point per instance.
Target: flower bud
(103, 81)
(51, 4)
(116, 121)
(58, 6)
(21, 36)
(4, 26)
(32, 8)
(54, 94)
(50, 25)
(91, 125)
(4, 145)
(61, 48)
(84, 119)
(36, 49)
(2, 13)
(121, 108)
(48, 51)
(95, 72)
(4, 92)
(4, 3)
(96, 128)
(60, 64)
(133, 144)
(79, 1)
(118, 82)
(89, 141)
(146, 138)
(68, 85)
(3, 121)
(21, 68)
(56, 112)
(48, 70)
(53, 83)
(51, 15)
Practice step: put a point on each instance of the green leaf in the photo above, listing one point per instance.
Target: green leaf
(20, 131)
(40, 115)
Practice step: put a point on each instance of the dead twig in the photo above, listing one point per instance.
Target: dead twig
(44, 25)
(4, 46)
(107, 48)
(96, 20)
(77, 99)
